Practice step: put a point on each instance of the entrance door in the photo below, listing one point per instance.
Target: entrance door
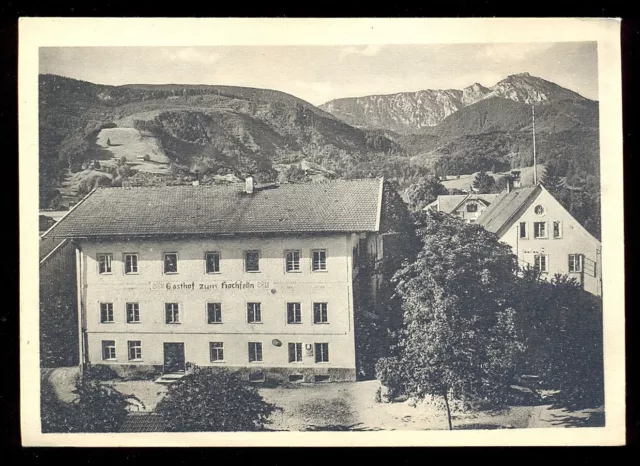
(173, 357)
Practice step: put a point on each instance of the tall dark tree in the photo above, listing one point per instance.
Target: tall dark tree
(553, 182)
(561, 326)
(484, 183)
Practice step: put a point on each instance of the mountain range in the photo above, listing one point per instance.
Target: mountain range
(411, 112)
(171, 133)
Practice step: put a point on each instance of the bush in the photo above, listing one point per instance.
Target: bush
(97, 408)
(204, 401)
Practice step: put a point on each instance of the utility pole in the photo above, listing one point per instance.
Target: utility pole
(535, 163)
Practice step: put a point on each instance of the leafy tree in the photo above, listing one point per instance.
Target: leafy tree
(459, 340)
(424, 192)
(204, 401)
(456, 191)
(483, 183)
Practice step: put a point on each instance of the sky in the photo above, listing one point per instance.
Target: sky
(318, 74)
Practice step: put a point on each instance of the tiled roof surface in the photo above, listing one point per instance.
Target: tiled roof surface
(502, 209)
(142, 422)
(332, 206)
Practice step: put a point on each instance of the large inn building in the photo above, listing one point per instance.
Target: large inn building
(265, 279)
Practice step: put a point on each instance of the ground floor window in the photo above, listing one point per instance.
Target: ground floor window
(108, 350)
(322, 352)
(135, 350)
(255, 352)
(541, 262)
(216, 351)
(295, 352)
(575, 262)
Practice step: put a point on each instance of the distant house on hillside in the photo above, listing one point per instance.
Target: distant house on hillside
(466, 206)
(545, 236)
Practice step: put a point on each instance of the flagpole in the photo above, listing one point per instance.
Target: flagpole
(535, 164)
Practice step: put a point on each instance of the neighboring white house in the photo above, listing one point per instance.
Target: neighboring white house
(466, 206)
(545, 236)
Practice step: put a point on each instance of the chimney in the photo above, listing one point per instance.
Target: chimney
(517, 182)
(249, 185)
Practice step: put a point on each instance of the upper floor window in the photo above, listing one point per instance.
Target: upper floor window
(539, 210)
(322, 352)
(293, 261)
(171, 262)
(130, 263)
(254, 313)
(319, 260)
(212, 261)
(575, 262)
(252, 261)
(557, 229)
(104, 263)
(522, 230)
(472, 207)
(320, 313)
(172, 313)
(541, 262)
(133, 313)
(214, 313)
(540, 229)
(294, 314)
(106, 313)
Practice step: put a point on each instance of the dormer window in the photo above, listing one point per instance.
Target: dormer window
(472, 207)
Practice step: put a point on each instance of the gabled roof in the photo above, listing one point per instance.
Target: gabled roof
(330, 206)
(505, 207)
(450, 202)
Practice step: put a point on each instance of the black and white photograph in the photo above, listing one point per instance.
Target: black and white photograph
(381, 237)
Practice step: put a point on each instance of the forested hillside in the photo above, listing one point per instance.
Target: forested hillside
(214, 130)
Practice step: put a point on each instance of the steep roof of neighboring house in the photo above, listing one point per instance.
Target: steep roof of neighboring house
(450, 202)
(54, 214)
(505, 207)
(47, 245)
(331, 206)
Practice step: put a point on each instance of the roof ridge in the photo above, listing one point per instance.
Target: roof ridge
(241, 183)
